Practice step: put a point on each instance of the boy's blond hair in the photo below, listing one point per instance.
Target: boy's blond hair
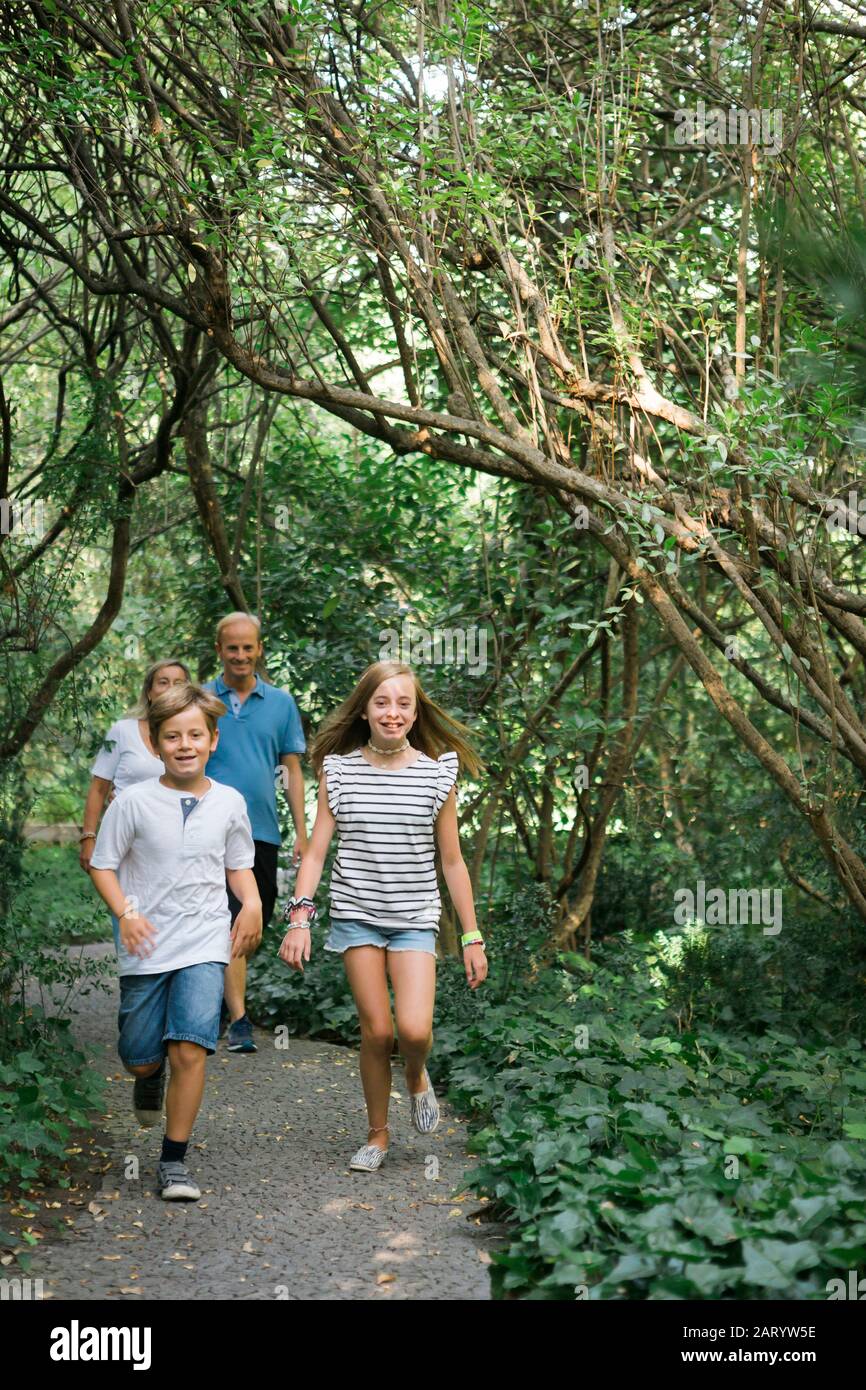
(179, 698)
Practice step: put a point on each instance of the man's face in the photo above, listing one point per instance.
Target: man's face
(185, 743)
(239, 648)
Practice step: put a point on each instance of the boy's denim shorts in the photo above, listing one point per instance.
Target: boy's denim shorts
(173, 1006)
(344, 934)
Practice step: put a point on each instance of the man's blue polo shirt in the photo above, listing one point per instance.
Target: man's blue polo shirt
(266, 726)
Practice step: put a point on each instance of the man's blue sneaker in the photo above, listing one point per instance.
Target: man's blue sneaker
(241, 1036)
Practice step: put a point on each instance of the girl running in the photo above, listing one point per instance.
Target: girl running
(388, 760)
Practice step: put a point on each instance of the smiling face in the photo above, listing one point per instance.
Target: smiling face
(392, 710)
(185, 743)
(165, 678)
(239, 648)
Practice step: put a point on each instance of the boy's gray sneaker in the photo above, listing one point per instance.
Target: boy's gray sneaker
(147, 1097)
(175, 1183)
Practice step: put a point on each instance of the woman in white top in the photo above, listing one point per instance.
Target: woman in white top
(388, 759)
(127, 755)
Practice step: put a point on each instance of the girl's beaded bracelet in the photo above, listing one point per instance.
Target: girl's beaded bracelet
(312, 912)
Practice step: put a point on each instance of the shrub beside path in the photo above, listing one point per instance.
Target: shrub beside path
(281, 1214)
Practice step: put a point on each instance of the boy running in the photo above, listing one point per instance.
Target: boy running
(164, 851)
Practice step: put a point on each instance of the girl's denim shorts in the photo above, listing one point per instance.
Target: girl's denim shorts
(344, 934)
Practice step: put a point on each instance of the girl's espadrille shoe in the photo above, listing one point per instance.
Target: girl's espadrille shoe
(368, 1158)
(425, 1108)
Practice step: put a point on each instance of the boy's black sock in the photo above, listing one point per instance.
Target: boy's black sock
(173, 1151)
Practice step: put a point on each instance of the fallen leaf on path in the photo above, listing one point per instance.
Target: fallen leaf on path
(385, 1278)
(130, 1289)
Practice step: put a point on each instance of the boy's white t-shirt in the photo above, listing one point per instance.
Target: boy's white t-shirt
(172, 868)
(123, 758)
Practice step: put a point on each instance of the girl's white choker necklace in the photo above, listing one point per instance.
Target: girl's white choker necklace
(388, 752)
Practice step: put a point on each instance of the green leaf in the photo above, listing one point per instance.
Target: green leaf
(27, 1062)
(739, 1144)
(640, 1154)
(772, 1264)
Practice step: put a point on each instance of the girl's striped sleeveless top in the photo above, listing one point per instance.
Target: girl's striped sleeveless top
(384, 872)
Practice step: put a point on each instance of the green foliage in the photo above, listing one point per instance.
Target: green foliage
(654, 1165)
(46, 1085)
(58, 895)
(811, 979)
(46, 1090)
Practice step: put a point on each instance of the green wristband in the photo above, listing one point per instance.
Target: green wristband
(472, 938)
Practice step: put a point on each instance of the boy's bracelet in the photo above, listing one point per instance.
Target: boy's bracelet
(87, 835)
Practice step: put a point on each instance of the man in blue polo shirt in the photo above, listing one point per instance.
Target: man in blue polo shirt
(260, 739)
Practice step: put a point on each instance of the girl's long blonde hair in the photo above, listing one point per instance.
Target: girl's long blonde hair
(141, 708)
(434, 731)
